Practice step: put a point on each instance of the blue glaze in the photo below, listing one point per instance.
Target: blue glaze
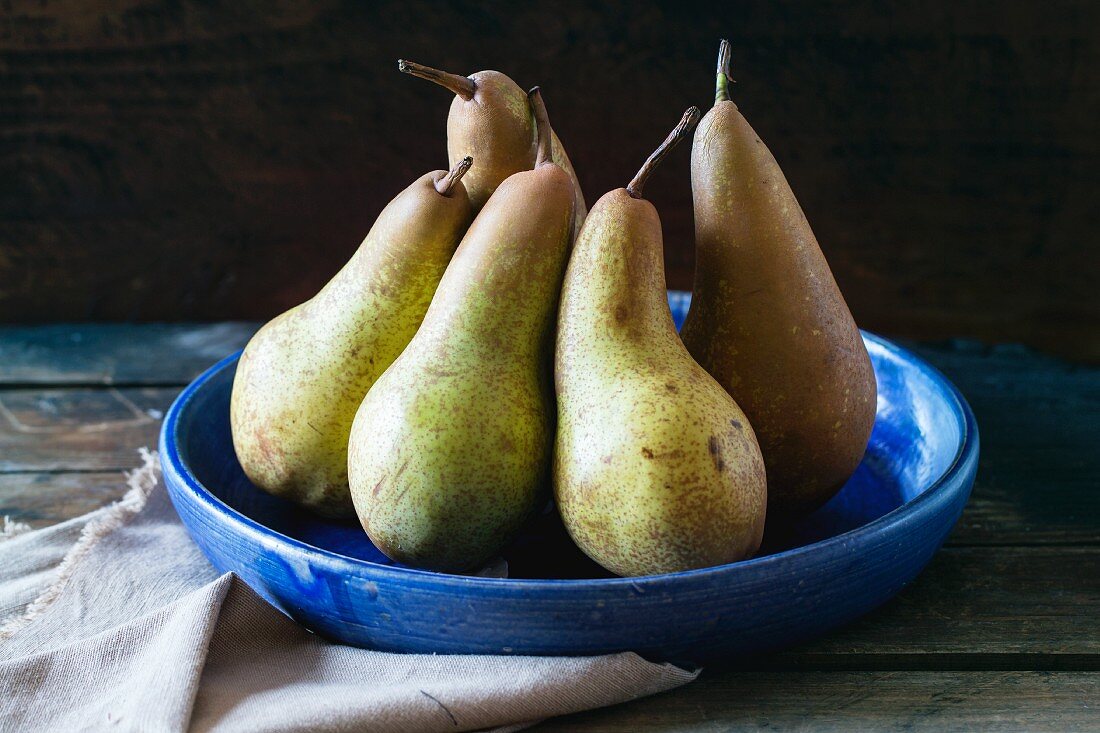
(847, 558)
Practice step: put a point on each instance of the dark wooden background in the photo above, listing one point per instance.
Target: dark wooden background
(221, 158)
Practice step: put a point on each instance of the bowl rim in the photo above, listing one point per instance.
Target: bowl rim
(938, 490)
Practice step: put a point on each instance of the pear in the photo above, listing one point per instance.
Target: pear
(767, 319)
(302, 376)
(491, 120)
(656, 469)
(450, 451)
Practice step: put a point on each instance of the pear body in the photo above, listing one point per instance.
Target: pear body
(768, 321)
(656, 468)
(497, 130)
(450, 451)
(302, 376)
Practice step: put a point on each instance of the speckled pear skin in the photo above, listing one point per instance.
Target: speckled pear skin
(656, 469)
(769, 322)
(450, 450)
(302, 376)
(496, 129)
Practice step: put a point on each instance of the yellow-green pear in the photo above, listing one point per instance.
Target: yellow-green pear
(450, 451)
(767, 318)
(491, 120)
(302, 376)
(656, 469)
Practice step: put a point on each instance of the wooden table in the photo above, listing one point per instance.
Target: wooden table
(1001, 632)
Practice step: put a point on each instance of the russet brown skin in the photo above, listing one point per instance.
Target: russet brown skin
(450, 451)
(656, 468)
(496, 124)
(768, 321)
(490, 120)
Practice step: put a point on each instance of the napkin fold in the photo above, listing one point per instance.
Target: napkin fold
(116, 621)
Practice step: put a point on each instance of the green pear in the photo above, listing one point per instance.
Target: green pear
(656, 468)
(491, 120)
(767, 318)
(302, 376)
(450, 451)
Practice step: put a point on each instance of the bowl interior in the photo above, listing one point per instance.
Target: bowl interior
(916, 438)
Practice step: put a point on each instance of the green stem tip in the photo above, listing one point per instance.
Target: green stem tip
(721, 90)
(545, 151)
(683, 127)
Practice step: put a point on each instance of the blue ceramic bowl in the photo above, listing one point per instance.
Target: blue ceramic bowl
(847, 558)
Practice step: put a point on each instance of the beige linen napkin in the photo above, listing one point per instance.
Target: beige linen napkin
(115, 621)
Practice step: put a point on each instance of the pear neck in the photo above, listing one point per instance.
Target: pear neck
(620, 267)
(499, 295)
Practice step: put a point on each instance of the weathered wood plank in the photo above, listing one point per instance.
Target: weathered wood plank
(42, 499)
(117, 354)
(78, 429)
(913, 702)
(977, 608)
(1038, 417)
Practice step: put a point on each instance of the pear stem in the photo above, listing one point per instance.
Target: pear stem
(683, 127)
(447, 182)
(542, 126)
(463, 86)
(721, 90)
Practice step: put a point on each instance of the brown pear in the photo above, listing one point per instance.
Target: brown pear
(490, 120)
(767, 319)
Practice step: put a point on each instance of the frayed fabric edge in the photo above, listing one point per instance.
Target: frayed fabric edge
(141, 483)
(12, 528)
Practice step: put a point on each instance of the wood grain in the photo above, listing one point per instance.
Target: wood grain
(209, 160)
(977, 608)
(78, 429)
(42, 499)
(914, 702)
(115, 354)
(1038, 418)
